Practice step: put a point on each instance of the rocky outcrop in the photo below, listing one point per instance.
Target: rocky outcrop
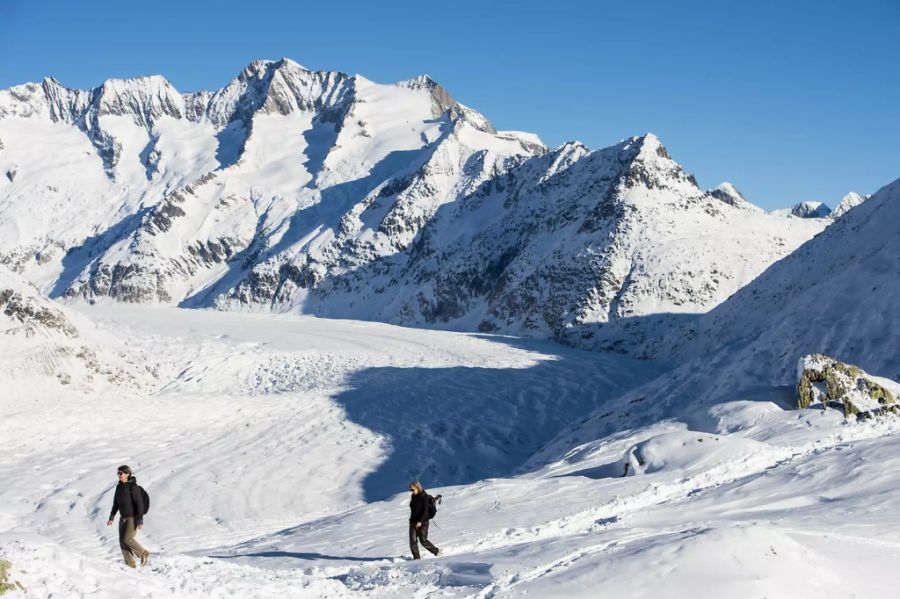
(826, 381)
(728, 193)
(810, 210)
(31, 312)
(5, 583)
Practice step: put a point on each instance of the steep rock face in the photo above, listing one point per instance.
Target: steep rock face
(31, 310)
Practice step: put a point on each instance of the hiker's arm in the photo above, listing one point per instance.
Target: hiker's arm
(139, 503)
(112, 513)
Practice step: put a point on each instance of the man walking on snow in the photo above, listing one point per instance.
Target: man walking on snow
(418, 520)
(128, 501)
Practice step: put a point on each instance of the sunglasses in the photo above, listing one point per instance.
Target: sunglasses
(121, 473)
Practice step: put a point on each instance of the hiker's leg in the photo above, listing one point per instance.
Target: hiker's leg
(413, 540)
(123, 535)
(130, 541)
(423, 538)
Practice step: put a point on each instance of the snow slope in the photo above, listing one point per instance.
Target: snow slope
(43, 345)
(273, 472)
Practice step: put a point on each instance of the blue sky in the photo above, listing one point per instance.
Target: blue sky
(790, 101)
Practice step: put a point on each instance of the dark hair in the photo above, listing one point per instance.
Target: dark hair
(125, 469)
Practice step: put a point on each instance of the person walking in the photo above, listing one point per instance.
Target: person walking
(128, 501)
(418, 520)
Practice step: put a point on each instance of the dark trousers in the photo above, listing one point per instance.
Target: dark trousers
(420, 535)
(127, 542)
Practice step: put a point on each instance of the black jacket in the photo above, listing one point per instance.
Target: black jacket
(128, 501)
(418, 507)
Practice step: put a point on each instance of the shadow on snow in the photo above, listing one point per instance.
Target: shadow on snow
(457, 425)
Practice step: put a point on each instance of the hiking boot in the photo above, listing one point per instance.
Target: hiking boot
(438, 553)
(131, 564)
(145, 558)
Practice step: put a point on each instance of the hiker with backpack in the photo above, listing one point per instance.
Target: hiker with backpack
(422, 508)
(131, 502)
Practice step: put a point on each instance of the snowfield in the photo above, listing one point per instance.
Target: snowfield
(277, 450)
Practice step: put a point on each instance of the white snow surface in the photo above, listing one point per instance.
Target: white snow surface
(276, 450)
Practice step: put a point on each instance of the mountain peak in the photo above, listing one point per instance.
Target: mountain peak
(650, 146)
(650, 164)
(849, 201)
(810, 210)
(726, 192)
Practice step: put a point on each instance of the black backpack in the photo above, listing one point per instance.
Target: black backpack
(145, 495)
(433, 502)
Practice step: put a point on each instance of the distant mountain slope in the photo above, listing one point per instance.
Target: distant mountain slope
(838, 294)
(319, 192)
(567, 238)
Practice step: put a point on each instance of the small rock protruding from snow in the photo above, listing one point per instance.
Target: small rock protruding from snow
(824, 380)
(11, 173)
(849, 201)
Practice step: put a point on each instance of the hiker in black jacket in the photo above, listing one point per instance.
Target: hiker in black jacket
(129, 502)
(418, 520)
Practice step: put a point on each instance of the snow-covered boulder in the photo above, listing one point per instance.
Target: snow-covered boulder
(824, 380)
(686, 451)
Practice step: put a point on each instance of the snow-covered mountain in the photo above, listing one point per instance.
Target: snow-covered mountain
(729, 194)
(809, 209)
(849, 201)
(292, 189)
(143, 193)
(567, 238)
(838, 295)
